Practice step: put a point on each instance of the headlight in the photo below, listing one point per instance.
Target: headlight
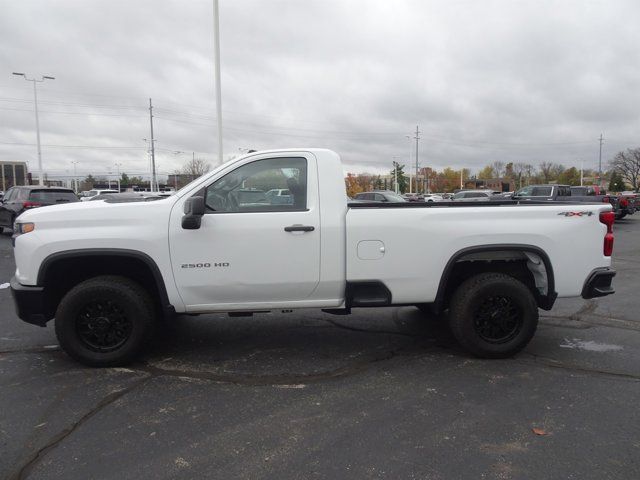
(19, 228)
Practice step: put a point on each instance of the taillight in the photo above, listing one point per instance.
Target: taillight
(28, 204)
(608, 218)
(624, 202)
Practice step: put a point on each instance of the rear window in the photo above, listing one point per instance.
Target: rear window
(53, 196)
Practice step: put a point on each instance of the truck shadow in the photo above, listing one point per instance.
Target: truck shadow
(299, 347)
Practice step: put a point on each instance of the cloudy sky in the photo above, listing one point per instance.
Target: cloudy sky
(522, 81)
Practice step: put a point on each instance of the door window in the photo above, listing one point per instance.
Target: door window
(246, 188)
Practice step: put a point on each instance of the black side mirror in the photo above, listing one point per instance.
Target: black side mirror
(193, 211)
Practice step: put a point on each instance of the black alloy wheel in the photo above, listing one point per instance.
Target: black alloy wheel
(493, 315)
(103, 326)
(498, 319)
(105, 321)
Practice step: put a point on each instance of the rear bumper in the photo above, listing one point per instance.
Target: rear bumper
(598, 283)
(30, 303)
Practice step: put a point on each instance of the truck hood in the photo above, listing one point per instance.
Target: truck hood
(97, 213)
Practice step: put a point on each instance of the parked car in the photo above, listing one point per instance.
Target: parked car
(473, 196)
(380, 196)
(279, 196)
(566, 193)
(629, 204)
(433, 197)
(413, 197)
(19, 199)
(92, 193)
(107, 272)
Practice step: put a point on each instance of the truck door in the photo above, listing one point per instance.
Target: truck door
(250, 250)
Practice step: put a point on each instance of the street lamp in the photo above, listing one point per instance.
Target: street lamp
(35, 96)
(75, 178)
(118, 165)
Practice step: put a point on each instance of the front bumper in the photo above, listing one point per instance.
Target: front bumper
(598, 284)
(30, 303)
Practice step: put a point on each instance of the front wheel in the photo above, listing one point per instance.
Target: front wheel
(493, 315)
(104, 321)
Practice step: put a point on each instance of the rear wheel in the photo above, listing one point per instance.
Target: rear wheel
(104, 321)
(493, 315)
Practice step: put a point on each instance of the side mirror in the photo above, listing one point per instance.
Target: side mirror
(193, 211)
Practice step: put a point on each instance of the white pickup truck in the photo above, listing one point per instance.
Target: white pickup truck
(107, 271)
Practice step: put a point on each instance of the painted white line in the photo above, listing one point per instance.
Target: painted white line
(590, 345)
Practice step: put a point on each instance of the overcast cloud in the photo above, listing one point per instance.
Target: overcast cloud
(522, 81)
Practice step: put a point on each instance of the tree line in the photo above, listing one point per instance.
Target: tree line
(623, 173)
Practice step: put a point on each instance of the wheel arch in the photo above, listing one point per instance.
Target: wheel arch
(60, 271)
(476, 253)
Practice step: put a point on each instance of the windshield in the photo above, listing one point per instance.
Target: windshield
(534, 191)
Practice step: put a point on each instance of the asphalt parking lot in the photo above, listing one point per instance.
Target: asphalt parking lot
(378, 394)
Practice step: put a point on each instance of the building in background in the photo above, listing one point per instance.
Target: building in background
(13, 173)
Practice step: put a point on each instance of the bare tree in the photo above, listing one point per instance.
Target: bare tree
(196, 167)
(545, 171)
(520, 169)
(627, 164)
(498, 168)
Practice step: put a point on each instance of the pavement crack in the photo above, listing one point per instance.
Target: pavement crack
(36, 349)
(552, 363)
(273, 380)
(33, 461)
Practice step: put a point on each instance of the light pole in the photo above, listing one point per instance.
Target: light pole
(35, 97)
(118, 165)
(75, 178)
(408, 137)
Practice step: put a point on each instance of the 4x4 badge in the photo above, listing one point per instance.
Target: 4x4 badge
(576, 214)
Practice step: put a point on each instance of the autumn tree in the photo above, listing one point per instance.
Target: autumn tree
(486, 173)
(627, 165)
(352, 186)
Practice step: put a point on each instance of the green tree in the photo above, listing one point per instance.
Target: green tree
(401, 178)
(570, 176)
(124, 179)
(616, 183)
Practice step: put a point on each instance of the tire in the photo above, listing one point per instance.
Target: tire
(105, 321)
(483, 299)
(621, 215)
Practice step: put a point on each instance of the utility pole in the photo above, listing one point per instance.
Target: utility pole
(216, 29)
(417, 137)
(600, 162)
(408, 137)
(35, 98)
(153, 150)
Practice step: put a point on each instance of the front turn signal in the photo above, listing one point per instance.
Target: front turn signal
(21, 228)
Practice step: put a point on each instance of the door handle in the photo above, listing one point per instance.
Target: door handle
(299, 228)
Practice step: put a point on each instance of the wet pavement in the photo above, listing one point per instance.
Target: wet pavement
(379, 394)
